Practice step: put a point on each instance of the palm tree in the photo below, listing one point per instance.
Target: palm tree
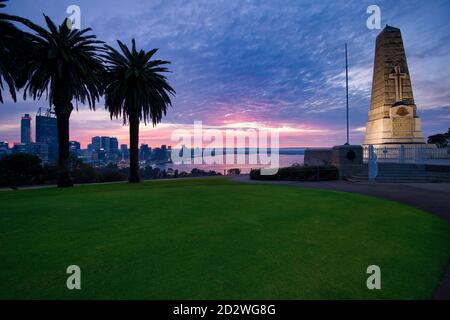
(13, 43)
(136, 89)
(66, 65)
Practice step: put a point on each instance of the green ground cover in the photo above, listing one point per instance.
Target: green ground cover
(212, 238)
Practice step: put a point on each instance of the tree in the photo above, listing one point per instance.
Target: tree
(136, 89)
(13, 44)
(66, 65)
(438, 139)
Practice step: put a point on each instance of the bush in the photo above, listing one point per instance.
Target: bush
(49, 174)
(84, 173)
(234, 171)
(299, 173)
(20, 169)
(110, 175)
(439, 140)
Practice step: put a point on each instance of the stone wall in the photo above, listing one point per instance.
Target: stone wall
(348, 159)
(318, 157)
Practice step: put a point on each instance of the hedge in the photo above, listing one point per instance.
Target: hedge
(299, 173)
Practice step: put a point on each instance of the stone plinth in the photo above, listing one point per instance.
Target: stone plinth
(348, 159)
(401, 127)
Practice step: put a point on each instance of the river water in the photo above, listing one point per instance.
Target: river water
(285, 160)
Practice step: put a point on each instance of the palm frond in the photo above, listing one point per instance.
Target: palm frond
(61, 55)
(134, 85)
(13, 47)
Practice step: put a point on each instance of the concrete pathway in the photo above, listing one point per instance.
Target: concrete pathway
(431, 197)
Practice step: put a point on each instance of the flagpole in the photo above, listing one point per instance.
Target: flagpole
(346, 89)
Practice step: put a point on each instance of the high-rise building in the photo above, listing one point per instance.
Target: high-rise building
(4, 149)
(144, 152)
(22, 148)
(40, 149)
(105, 143)
(108, 144)
(113, 145)
(47, 132)
(74, 147)
(164, 155)
(25, 129)
(169, 153)
(96, 143)
(125, 154)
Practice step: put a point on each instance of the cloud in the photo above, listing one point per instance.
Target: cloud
(359, 129)
(359, 80)
(277, 63)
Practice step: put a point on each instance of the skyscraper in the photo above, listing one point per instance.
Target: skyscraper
(96, 143)
(25, 129)
(4, 148)
(113, 145)
(105, 143)
(47, 132)
(74, 147)
(108, 144)
(124, 151)
(144, 152)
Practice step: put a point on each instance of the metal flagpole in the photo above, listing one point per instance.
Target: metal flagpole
(346, 88)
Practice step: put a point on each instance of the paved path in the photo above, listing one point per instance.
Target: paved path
(431, 197)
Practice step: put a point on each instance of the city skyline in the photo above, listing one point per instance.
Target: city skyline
(231, 67)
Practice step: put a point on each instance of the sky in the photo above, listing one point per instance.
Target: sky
(277, 65)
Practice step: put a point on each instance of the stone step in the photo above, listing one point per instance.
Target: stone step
(403, 172)
(411, 178)
(418, 174)
(397, 180)
(404, 177)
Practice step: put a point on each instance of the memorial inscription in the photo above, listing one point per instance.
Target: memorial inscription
(402, 127)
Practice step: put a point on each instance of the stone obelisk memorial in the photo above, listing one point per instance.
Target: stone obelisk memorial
(393, 116)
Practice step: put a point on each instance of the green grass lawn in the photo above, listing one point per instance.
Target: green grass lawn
(215, 239)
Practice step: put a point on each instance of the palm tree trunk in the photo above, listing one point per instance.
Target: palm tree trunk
(134, 149)
(62, 115)
(63, 108)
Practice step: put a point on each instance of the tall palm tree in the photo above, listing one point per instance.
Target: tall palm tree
(66, 65)
(136, 89)
(13, 43)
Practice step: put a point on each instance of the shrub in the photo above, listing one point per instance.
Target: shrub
(20, 169)
(84, 173)
(234, 171)
(110, 175)
(49, 174)
(299, 173)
